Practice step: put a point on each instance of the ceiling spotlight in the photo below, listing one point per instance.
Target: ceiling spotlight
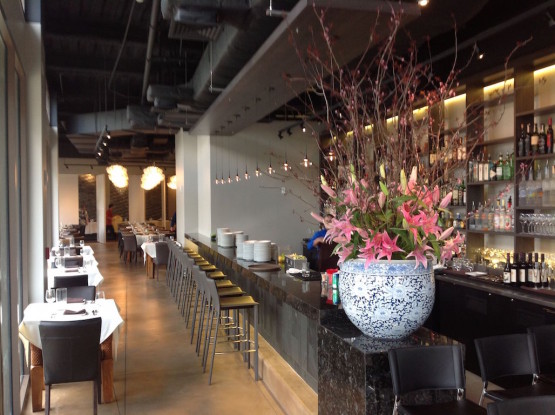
(423, 3)
(481, 56)
(303, 127)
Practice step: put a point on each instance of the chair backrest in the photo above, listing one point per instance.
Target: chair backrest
(70, 350)
(162, 252)
(129, 243)
(325, 258)
(72, 261)
(536, 405)
(545, 347)
(80, 293)
(71, 281)
(426, 368)
(506, 355)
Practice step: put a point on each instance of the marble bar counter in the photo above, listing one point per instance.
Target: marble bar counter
(349, 371)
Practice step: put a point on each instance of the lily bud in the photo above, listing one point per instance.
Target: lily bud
(403, 181)
(382, 171)
(323, 180)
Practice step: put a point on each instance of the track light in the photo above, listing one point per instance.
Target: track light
(280, 135)
(289, 132)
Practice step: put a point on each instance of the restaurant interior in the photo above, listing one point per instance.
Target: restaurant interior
(201, 127)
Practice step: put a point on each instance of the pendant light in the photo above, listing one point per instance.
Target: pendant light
(257, 172)
(286, 165)
(306, 162)
(270, 168)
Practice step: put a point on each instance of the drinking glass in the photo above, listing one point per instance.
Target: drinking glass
(50, 295)
(58, 262)
(82, 243)
(61, 295)
(66, 250)
(100, 297)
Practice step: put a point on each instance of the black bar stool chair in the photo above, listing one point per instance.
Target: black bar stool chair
(537, 405)
(545, 348)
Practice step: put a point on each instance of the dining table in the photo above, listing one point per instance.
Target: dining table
(149, 252)
(94, 276)
(29, 334)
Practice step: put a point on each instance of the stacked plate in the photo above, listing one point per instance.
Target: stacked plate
(219, 233)
(262, 251)
(240, 237)
(239, 251)
(248, 250)
(227, 240)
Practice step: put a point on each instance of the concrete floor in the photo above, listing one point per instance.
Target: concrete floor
(157, 371)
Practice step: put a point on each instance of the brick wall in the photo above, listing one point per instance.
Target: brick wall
(120, 199)
(153, 203)
(87, 193)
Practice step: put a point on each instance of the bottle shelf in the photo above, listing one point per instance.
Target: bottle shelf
(490, 182)
(535, 207)
(481, 232)
(534, 236)
(550, 109)
(496, 141)
(536, 157)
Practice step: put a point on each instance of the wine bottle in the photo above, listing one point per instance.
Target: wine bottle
(530, 273)
(527, 139)
(520, 148)
(506, 168)
(542, 140)
(537, 272)
(534, 138)
(507, 270)
(522, 270)
(499, 168)
(544, 280)
(515, 270)
(549, 137)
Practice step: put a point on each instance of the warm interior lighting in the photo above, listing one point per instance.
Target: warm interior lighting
(331, 156)
(503, 86)
(270, 168)
(237, 178)
(152, 176)
(423, 3)
(257, 172)
(118, 175)
(455, 99)
(172, 183)
(544, 71)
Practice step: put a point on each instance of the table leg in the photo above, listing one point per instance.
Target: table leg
(149, 267)
(107, 370)
(37, 378)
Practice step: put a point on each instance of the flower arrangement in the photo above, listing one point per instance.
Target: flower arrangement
(384, 116)
(396, 221)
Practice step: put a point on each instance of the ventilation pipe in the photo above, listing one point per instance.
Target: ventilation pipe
(150, 45)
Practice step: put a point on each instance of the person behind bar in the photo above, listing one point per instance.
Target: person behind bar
(318, 237)
(110, 234)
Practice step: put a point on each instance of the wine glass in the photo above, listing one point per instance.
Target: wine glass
(100, 297)
(50, 295)
(82, 243)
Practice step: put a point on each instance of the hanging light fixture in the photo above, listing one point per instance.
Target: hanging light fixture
(118, 175)
(246, 172)
(331, 155)
(172, 182)
(152, 176)
(286, 165)
(257, 172)
(270, 168)
(306, 162)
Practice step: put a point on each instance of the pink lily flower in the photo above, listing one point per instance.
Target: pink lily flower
(388, 246)
(446, 200)
(331, 193)
(419, 254)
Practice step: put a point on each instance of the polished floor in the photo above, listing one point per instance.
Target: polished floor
(157, 371)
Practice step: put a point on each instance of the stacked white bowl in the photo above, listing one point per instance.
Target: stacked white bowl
(262, 251)
(219, 233)
(248, 250)
(227, 240)
(240, 238)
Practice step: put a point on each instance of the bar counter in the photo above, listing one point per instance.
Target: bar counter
(349, 371)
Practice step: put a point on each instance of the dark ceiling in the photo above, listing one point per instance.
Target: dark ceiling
(97, 57)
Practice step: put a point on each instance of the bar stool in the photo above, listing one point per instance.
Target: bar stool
(219, 305)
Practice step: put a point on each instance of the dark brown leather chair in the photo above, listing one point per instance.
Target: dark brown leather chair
(71, 281)
(430, 368)
(545, 347)
(71, 353)
(81, 293)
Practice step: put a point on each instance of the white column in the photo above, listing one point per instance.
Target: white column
(136, 199)
(204, 185)
(187, 184)
(101, 207)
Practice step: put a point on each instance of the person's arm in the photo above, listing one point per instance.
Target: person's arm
(316, 239)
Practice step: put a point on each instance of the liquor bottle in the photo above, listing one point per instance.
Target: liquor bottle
(515, 270)
(480, 177)
(491, 214)
(478, 217)
(471, 218)
(512, 165)
(530, 273)
(496, 224)
(491, 169)
(499, 168)
(502, 215)
(510, 215)
(520, 148)
(506, 168)
(470, 170)
(522, 270)
(455, 196)
(542, 140)
(527, 139)
(549, 137)
(544, 280)
(462, 194)
(534, 138)
(546, 184)
(537, 272)
(507, 270)
(484, 217)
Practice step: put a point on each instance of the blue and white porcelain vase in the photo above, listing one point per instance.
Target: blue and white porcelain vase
(389, 299)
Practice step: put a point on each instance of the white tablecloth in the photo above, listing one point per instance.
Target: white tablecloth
(37, 312)
(149, 248)
(95, 277)
(141, 239)
(92, 227)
